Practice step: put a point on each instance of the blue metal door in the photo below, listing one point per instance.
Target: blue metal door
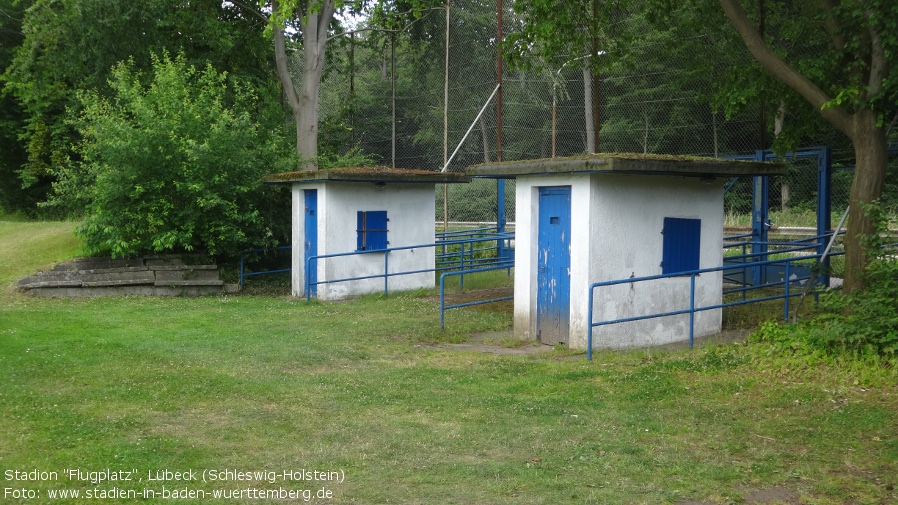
(311, 240)
(553, 265)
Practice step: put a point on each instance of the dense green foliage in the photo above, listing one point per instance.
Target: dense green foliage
(864, 322)
(174, 165)
(12, 118)
(52, 50)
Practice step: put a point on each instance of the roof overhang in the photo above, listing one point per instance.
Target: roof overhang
(631, 164)
(376, 175)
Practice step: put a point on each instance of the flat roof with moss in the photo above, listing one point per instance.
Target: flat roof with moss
(367, 174)
(626, 163)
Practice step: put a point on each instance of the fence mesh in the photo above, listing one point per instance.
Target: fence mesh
(388, 96)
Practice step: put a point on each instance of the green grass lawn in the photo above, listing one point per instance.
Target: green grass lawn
(364, 388)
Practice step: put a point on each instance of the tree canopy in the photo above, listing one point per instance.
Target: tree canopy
(66, 46)
(810, 59)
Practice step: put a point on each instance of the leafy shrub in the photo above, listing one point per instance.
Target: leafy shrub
(174, 165)
(865, 322)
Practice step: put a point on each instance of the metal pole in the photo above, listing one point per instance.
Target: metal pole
(446, 124)
(386, 272)
(352, 88)
(824, 205)
(488, 100)
(500, 217)
(786, 299)
(596, 110)
(589, 326)
(760, 222)
(692, 311)
(499, 66)
(393, 85)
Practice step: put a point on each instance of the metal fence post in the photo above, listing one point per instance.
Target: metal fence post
(759, 221)
(824, 207)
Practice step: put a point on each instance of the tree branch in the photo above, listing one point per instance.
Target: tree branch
(878, 61)
(324, 20)
(386, 30)
(781, 70)
(280, 61)
(251, 10)
(832, 26)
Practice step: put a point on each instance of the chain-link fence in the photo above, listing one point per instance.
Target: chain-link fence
(409, 102)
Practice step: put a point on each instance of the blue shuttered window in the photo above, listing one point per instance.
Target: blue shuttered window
(371, 230)
(682, 241)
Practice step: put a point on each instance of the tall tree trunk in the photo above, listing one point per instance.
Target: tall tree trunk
(778, 122)
(304, 102)
(587, 111)
(307, 116)
(871, 158)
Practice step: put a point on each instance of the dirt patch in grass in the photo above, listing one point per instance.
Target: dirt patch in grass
(500, 343)
(777, 495)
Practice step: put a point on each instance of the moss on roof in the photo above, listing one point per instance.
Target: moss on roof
(628, 163)
(366, 174)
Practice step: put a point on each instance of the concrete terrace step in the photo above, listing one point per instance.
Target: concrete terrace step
(153, 275)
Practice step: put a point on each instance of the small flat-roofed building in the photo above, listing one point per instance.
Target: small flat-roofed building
(364, 211)
(599, 218)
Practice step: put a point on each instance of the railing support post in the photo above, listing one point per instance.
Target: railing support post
(589, 313)
(386, 272)
(786, 301)
(241, 272)
(691, 310)
(500, 217)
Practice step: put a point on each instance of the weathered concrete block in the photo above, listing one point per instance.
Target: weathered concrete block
(50, 279)
(118, 278)
(187, 275)
(99, 263)
(95, 277)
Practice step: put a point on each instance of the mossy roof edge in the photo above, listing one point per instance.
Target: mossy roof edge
(367, 174)
(628, 163)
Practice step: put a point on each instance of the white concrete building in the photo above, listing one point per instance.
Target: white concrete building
(608, 217)
(344, 220)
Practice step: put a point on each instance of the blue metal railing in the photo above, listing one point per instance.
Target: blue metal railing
(485, 246)
(443, 307)
(244, 274)
(463, 266)
(787, 283)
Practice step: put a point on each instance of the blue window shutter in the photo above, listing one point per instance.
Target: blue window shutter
(377, 230)
(371, 229)
(681, 245)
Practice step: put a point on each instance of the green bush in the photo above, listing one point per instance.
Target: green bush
(174, 165)
(864, 322)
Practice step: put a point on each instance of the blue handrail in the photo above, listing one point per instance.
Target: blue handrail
(244, 274)
(444, 307)
(386, 270)
(787, 282)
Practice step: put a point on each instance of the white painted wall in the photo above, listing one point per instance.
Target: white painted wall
(627, 219)
(410, 209)
(616, 227)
